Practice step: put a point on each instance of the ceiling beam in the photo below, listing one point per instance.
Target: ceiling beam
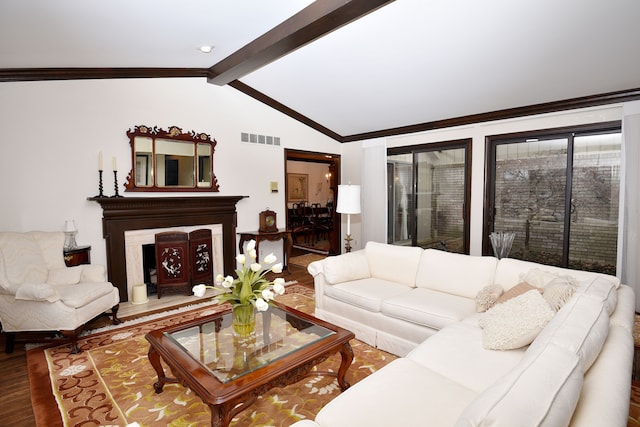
(36, 74)
(316, 20)
(255, 94)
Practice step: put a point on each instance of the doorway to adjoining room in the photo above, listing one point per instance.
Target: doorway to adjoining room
(311, 189)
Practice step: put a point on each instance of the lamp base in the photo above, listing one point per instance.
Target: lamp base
(347, 245)
(70, 240)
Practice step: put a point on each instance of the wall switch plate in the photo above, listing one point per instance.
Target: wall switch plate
(274, 186)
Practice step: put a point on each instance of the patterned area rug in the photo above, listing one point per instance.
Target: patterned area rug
(111, 381)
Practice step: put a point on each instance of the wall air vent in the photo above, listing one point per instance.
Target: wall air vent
(259, 139)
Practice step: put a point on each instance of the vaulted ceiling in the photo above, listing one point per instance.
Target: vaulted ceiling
(351, 69)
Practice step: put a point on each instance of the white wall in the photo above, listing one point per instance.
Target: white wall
(51, 134)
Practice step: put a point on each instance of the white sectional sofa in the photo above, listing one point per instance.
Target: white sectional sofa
(555, 349)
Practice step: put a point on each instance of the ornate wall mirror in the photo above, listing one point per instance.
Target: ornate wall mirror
(170, 160)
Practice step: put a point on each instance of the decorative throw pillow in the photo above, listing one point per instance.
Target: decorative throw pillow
(487, 297)
(557, 292)
(517, 290)
(516, 322)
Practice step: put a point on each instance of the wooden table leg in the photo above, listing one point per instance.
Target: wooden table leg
(220, 416)
(347, 358)
(154, 359)
(287, 245)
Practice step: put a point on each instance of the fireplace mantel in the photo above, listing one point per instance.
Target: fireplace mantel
(122, 214)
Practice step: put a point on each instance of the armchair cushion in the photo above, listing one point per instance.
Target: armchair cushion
(37, 292)
(64, 275)
(92, 273)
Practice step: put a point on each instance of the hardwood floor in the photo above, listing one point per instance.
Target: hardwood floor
(15, 402)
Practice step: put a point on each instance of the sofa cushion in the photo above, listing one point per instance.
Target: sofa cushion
(427, 307)
(516, 322)
(456, 352)
(602, 289)
(543, 389)
(346, 267)
(581, 326)
(37, 292)
(541, 278)
(456, 274)
(393, 263)
(23, 260)
(366, 293)
(403, 393)
(83, 293)
(509, 272)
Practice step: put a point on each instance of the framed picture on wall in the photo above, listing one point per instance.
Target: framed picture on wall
(297, 187)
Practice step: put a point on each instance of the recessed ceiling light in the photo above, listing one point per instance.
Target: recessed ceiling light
(205, 49)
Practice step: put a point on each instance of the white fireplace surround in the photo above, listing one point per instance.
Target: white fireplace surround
(135, 239)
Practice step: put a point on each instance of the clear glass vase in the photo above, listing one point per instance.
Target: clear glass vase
(244, 319)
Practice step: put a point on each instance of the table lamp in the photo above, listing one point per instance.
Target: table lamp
(348, 203)
(70, 235)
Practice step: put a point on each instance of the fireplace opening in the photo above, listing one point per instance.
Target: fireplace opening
(149, 270)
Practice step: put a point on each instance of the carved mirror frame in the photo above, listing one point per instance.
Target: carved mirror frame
(170, 160)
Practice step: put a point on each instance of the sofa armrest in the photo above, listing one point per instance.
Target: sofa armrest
(37, 292)
(319, 285)
(315, 268)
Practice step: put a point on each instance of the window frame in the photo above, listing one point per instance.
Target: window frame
(462, 143)
(567, 132)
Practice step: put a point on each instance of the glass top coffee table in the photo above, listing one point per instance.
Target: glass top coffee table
(229, 372)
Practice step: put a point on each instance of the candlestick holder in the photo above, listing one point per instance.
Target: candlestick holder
(115, 184)
(100, 194)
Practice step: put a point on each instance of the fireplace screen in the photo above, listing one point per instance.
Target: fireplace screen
(183, 259)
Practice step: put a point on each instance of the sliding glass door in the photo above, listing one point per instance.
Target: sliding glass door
(558, 192)
(428, 195)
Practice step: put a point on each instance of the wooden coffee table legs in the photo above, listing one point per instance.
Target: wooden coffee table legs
(347, 357)
(154, 359)
(221, 414)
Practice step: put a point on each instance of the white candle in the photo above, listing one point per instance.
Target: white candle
(100, 161)
(115, 165)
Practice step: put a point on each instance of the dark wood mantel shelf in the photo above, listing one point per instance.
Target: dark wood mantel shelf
(122, 214)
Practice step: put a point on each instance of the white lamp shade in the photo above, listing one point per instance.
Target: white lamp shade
(348, 199)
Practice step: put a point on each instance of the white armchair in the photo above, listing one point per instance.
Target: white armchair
(38, 292)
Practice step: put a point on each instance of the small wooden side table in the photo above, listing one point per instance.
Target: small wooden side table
(77, 256)
(282, 234)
